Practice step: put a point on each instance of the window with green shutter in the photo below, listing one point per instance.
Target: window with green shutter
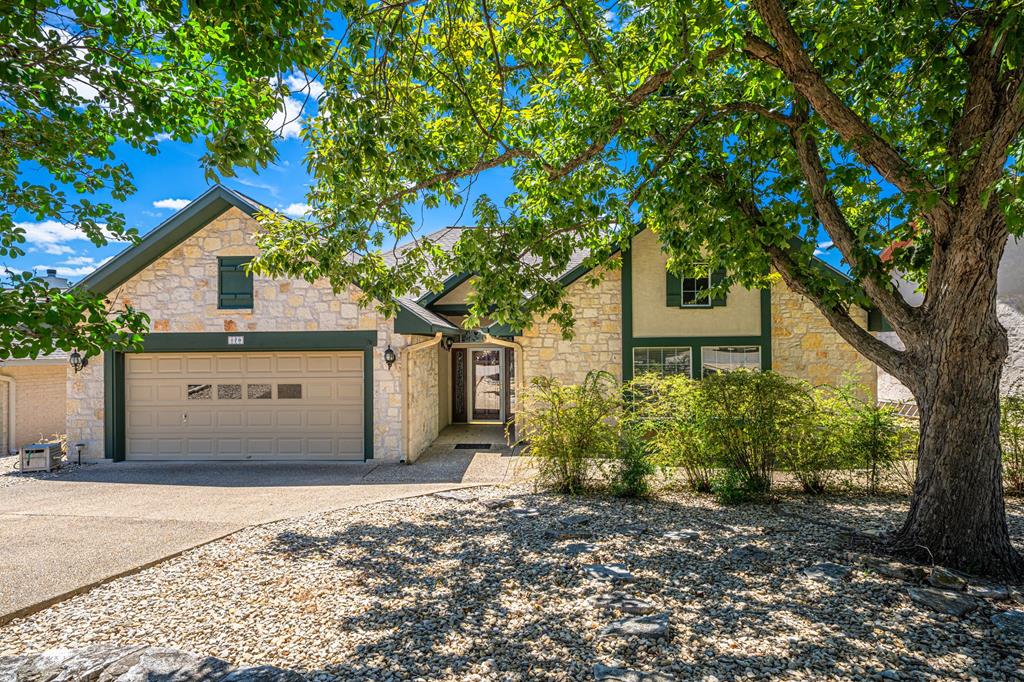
(691, 292)
(234, 284)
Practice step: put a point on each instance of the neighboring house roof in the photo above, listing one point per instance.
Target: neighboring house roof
(194, 217)
(58, 357)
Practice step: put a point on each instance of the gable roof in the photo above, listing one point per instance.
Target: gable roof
(194, 217)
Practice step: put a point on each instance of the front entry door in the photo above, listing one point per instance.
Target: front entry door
(485, 393)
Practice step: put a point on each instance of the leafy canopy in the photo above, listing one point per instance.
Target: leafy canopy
(78, 77)
(698, 120)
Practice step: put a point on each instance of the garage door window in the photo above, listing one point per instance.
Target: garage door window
(200, 392)
(289, 391)
(229, 391)
(258, 391)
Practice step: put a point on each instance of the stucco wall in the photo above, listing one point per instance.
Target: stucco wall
(179, 292)
(39, 404)
(741, 316)
(805, 345)
(597, 343)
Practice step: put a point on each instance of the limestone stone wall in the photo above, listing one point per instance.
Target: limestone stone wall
(597, 343)
(423, 399)
(179, 293)
(805, 345)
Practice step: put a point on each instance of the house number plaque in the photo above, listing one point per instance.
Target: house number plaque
(236, 340)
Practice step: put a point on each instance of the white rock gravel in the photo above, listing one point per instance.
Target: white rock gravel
(10, 475)
(439, 589)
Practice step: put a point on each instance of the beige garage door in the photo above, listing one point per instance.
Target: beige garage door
(244, 405)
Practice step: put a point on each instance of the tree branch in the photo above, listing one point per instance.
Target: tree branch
(790, 58)
(892, 304)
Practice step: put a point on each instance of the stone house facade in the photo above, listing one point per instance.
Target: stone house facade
(238, 366)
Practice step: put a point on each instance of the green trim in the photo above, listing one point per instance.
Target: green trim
(113, 406)
(626, 306)
(877, 321)
(207, 342)
(165, 237)
(450, 309)
(408, 322)
(766, 328)
(447, 287)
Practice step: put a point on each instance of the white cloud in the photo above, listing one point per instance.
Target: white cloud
(299, 83)
(162, 137)
(287, 122)
(73, 267)
(295, 210)
(50, 236)
(173, 204)
(825, 245)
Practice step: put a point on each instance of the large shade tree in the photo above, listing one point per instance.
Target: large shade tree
(741, 134)
(79, 78)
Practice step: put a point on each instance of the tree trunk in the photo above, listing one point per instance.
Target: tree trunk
(957, 516)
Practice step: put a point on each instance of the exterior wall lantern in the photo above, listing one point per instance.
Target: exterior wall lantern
(389, 357)
(447, 343)
(77, 362)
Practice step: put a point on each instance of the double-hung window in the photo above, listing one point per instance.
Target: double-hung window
(717, 359)
(693, 292)
(663, 360)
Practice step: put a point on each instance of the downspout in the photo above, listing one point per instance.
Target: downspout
(407, 351)
(520, 369)
(12, 392)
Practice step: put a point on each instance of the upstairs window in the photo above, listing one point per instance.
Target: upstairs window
(234, 284)
(694, 292)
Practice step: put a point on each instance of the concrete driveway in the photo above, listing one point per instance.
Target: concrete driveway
(63, 535)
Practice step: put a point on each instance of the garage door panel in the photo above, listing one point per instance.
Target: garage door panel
(244, 405)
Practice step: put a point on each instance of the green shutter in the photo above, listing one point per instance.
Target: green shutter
(234, 284)
(716, 278)
(673, 290)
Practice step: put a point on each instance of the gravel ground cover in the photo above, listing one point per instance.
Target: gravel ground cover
(10, 475)
(502, 584)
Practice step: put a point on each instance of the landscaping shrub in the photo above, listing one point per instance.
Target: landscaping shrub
(1011, 432)
(814, 452)
(873, 439)
(749, 420)
(567, 427)
(665, 411)
(630, 471)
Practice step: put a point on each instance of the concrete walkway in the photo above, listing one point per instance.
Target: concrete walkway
(63, 535)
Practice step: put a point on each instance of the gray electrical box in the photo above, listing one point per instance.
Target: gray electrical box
(40, 457)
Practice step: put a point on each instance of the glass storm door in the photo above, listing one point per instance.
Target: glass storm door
(485, 372)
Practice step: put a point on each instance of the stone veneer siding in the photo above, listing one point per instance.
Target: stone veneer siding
(597, 343)
(804, 344)
(179, 292)
(424, 399)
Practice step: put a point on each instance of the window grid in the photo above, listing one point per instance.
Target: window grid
(694, 292)
(667, 360)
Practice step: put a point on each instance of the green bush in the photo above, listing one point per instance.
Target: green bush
(750, 420)
(873, 438)
(814, 452)
(664, 411)
(1011, 433)
(630, 471)
(569, 427)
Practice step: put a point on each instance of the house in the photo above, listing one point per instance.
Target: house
(1009, 309)
(39, 386)
(243, 367)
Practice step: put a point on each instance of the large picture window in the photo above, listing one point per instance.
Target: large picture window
(727, 358)
(666, 360)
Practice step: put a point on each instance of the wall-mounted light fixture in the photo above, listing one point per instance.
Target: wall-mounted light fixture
(77, 362)
(389, 356)
(447, 343)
